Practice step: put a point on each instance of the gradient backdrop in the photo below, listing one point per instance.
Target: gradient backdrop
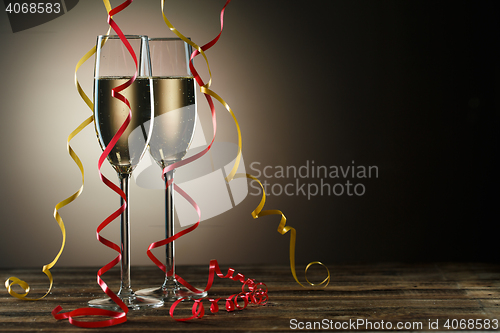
(411, 87)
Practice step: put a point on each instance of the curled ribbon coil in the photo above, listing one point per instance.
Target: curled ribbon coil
(252, 293)
(283, 229)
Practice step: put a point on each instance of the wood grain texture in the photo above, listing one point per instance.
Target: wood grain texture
(407, 293)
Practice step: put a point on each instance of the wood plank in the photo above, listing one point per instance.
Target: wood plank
(389, 292)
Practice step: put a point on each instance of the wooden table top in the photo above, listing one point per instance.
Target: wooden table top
(359, 297)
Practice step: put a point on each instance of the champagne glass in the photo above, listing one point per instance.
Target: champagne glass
(115, 66)
(173, 130)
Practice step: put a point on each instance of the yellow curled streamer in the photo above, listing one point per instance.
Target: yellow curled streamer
(12, 281)
(205, 89)
(258, 212)
(283, 229)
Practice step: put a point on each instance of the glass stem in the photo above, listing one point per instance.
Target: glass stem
(170, 281)
(125, 288)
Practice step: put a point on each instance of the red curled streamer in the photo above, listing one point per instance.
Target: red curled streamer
(198, 310)
(117, 317)
(192, 158)
(255, 293)
(207, 96)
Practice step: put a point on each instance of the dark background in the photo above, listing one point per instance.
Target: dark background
(411, 87)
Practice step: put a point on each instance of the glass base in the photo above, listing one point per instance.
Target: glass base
(170, 294)
(133, 302)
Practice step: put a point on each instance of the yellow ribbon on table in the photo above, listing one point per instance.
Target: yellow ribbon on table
(12, 281)
(258, 212)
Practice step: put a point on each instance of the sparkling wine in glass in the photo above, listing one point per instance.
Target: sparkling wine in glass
(114, 67)
(173, 130)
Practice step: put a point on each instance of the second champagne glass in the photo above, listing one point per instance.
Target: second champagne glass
(173, 130)
(114, 67)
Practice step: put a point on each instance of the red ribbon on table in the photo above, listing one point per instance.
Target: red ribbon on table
(117, 316)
